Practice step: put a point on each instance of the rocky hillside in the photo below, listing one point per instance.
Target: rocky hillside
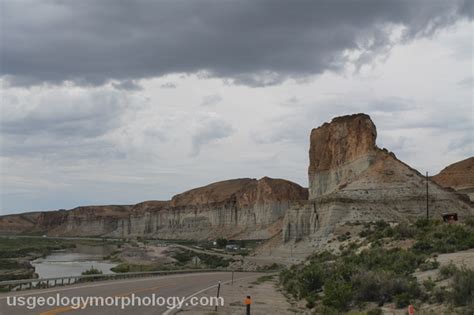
(458, 176)
(351, 179)
(240, 208)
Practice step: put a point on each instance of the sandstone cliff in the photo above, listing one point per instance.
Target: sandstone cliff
(351, 179)
(339, 151)
(241, 208)
(459, 177)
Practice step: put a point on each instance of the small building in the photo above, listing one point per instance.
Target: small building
(450, 217)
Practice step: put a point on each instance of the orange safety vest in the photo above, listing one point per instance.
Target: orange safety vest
(248, 301)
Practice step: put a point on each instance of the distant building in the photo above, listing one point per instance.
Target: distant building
(232, 247)
(450, 217)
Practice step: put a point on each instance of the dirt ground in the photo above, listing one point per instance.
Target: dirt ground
(459, 259)
(266, 299)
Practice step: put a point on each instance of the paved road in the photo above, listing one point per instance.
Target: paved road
(182, 286)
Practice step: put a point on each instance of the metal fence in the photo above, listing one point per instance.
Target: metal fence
(41, 283)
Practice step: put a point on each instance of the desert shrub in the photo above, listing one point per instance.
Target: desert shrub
(328, 310)
(402, 300)
(312, 278)
(375, 311)
(91, 271)
(381, 286)
(397, 260)
(337, 294)
(310, 301)
(290, 282)
(212, 261)
(444, 238)
(120, 268)
(439, 295)
(429, 284)
(469, 222)
(378, 274)
(343, 237)
(447, 271)
(462, 286)
(429, 265)
(404, 231)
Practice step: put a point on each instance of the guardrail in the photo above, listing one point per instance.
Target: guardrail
(41, 283)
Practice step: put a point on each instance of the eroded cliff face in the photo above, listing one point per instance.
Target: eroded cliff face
(339, 151)
(458, 176)
(244, 208)
(351, 180)
(241, 208)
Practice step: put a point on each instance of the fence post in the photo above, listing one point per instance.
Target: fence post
(218, 292)
(248, 302)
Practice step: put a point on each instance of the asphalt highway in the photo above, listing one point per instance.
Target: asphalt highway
(153, 291)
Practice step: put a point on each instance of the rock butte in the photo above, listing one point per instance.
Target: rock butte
(350, 179)
(459, 177)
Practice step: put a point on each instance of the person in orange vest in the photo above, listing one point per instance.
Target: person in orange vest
(248, 302)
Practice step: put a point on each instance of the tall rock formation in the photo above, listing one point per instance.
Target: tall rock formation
(351, 179)
(458, 176)
(339, 151)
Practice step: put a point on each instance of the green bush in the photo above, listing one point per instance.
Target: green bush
(447, 271)
(310, 301)
(382, 275)
(429, 265)
(429, 284)
(312, 279)
(463, 287)
(91, 271)
(375, 311)
(121, 268)
(439, 295)
(381, 286)
(337, 294)
(402, 300)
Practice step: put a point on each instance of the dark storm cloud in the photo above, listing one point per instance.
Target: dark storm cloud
(244, 42)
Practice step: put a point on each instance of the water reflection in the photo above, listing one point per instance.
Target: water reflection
(73, 263)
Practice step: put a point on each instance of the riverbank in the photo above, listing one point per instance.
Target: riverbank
(17, 253)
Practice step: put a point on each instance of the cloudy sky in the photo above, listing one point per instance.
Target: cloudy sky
(116, 102)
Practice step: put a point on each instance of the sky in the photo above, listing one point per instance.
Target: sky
(117, 102)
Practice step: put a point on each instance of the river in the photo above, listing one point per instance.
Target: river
(75, 261)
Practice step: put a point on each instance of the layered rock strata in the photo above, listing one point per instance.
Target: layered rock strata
(458, 176)
(351, 179)
(241, 208)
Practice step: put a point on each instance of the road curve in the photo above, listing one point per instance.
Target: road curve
(182, 286)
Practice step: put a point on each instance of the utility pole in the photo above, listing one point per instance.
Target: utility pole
(427, 203)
